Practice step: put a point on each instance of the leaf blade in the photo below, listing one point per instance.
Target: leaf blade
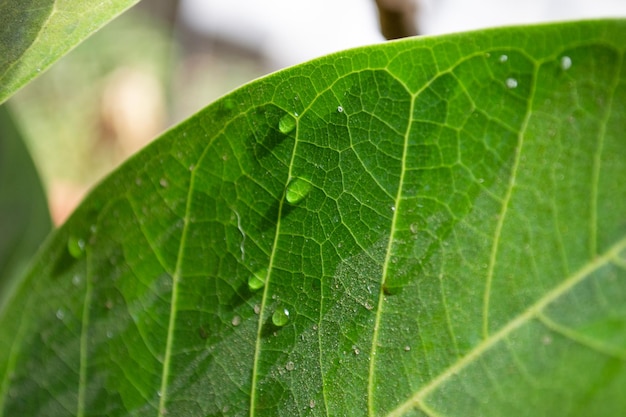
(407, 155)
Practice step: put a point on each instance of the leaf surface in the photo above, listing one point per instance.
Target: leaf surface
(430, 227)
(35, 33)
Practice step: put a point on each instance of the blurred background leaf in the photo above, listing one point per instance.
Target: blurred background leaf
(24, 217)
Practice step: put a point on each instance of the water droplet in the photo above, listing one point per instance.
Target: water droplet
(511, 82)
(280, 317)
(297, 190)
(76, 280)
(546, 340)
(159, 393)
(481, 180)
(503, 58)
(339, 109)
(290, 366)
(256, 281)
(163, 182)
(566, 63)
(356, 350)
(368, 305)
(60, 314)
(413, 228)
(109, 334)
(236, 321)
(393, 208)
(76, 247)
(312, 404)
(407, 348)
(286, 124)
(257, 309)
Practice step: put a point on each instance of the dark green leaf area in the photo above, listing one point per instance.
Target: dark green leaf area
(24, 217)
(441, 232)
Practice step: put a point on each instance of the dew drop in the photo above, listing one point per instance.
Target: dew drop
(407, 348)
(503, 58)
(60, 314)
(280, 317)
(312, 404)
(566, 63)
(297, 190)
(286, 124)
(257, 309)
(76, 247)
(256, 281)
(236, 321)
(290, 366)
(511, 83)
(339, 109)
(163, 182)
(76, 280)
(368, 305)
(159, 394)
(356, 350)
(414, 228)
(109, 334)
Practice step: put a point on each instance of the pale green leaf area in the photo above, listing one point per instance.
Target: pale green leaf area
(439, 231)
(35, 33)
(24, 217)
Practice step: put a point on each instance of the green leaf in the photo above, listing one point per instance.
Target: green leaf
(35, 33)
(442, 232)
(24, 216)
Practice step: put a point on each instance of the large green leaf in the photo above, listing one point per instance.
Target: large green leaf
(35, 33)
(435, 226)
(24, 216)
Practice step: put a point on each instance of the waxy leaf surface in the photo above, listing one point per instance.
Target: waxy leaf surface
(430, 227)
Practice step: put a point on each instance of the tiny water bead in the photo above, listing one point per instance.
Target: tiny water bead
(566, 63)
(236, 321)
(339, 109)
(286, 124)
(280, 317)
(511, 83)
(297, 190)
(256, 281)
(290, 366)
(76, 247)
(503, 58)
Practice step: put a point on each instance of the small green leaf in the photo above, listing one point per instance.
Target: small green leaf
(36, 33)
(442, 234)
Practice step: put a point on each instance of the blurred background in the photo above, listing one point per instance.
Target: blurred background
(164, 60)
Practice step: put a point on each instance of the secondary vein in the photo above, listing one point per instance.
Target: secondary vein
(381, 296)
(502, 215)
(257, 349)
(174, 299)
